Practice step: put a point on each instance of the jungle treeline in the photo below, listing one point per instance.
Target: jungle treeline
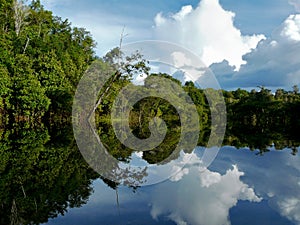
(258, 120)
(43, 57)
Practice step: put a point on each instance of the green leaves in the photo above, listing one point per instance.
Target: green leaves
(29, 97)
(5, 87)
(42, 58)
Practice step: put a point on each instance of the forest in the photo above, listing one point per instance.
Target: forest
(256, 119)
(43, 57)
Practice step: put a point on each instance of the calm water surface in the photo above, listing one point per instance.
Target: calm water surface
(44, 180)
(240, 187)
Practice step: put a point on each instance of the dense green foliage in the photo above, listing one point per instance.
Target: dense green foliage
(42, 173)
(256, 119)
(42, 59)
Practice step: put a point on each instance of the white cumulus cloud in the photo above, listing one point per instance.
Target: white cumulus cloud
(209, 31)
(290, 29)
(274, 63)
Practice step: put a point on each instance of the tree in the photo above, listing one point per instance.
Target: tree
(295, 89)
(5, 92)
(28, 97)
(43, 56)
(21, 11)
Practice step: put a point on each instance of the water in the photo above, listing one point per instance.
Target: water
(44, 180)
(240, 187)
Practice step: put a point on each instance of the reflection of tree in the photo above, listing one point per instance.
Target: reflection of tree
(257, 139)
(40, 179)
(256, 119)
(161, 98)
(140, 128)
(238, 134)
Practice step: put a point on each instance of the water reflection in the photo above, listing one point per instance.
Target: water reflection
(43, 179)
(41, 174)
(275, 178)
(201, 197)
(238, 188)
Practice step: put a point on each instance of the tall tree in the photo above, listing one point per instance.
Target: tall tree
(21, 11)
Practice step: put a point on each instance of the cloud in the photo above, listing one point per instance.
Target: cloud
(290, 208)
(209, 31)
(290, 29)
(180, 60)
(105, 20)
(206, 196)
(106, 30)
(274, 63)
(185, 10)
(296, 4)
(186, 71)
(197, 197)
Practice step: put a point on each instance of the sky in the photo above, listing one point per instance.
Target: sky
(246, 43)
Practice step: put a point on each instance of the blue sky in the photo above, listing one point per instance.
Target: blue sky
(258, 16)
(252, 16)
(224, 33)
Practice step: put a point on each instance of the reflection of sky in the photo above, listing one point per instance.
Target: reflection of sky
(238, 188)
(275, 177)
(201, 198)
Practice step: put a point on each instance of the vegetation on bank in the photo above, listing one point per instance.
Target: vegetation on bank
(256, 119)
(42, 59)
(43, 175)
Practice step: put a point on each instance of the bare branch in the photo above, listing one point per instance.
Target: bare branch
(26, 45)
(21, 11)
(120, 44)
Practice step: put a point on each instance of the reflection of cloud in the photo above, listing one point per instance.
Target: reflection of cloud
(290, 208)
(283, 183)
(185, 160)
(139, 154)
(209, 31)
(178, 176)
(274, 177)
(201, 198)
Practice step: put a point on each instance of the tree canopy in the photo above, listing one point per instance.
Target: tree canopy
(42, 59)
